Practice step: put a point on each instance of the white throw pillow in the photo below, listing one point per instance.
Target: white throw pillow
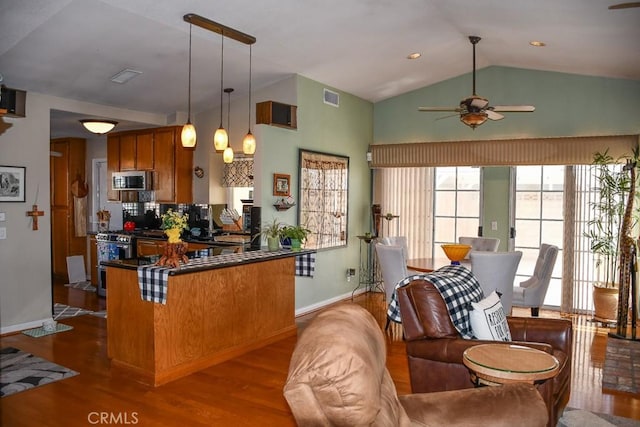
(488, 320)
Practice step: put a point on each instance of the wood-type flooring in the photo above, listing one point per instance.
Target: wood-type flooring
(246, 391)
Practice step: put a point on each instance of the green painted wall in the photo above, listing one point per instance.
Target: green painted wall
(566, 105)
(347, 131)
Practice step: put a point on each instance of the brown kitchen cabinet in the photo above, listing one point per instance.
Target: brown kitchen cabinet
(277, 114)
(147, 247)
(158, 150)
(136, 150)
(173, 167)
(67, 165)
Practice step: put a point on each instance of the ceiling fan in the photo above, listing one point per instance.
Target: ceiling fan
(475, 110)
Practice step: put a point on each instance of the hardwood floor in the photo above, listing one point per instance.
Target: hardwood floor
(246, 391)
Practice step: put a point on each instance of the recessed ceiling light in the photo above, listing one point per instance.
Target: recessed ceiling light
(537, 43)
(414, 55)
(125, 75)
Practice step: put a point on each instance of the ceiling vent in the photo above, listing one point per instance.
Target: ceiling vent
(331, 98)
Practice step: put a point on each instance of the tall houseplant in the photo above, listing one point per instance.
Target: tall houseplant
(613, 186)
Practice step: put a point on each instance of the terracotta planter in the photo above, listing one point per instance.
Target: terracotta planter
(605, 303)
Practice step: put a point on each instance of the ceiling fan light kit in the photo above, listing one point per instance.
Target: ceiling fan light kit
(475, 110)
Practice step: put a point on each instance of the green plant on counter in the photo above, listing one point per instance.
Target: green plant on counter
(296, 232)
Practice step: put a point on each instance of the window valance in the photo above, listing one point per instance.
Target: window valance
(506, 152)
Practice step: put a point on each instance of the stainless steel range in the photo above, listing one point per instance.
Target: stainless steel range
(112, 245)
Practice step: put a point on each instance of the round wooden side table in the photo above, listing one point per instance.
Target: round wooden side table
(494, 364)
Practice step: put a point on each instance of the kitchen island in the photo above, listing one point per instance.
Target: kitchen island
(215, 308)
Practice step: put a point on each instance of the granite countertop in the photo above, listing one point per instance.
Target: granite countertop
(210, 259)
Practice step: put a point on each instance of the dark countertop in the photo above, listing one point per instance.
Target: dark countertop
(210, 259)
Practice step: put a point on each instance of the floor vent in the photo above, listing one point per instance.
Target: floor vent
(331, 98)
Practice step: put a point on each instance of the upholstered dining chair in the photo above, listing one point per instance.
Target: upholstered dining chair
(496, 271)
(393, 267)
(397, 241)
(531, 292)
(485, 244)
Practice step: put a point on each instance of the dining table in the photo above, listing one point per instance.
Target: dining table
(429, 264)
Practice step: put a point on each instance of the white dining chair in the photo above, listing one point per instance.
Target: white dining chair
(398, 241)
(485, 244)
(393, 267)
(496, 271)
(531, 292)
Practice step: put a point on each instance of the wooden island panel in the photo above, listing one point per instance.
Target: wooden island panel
(210, 316)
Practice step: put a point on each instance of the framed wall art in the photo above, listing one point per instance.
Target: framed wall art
(281, 184)
(324, 198)
(12, 184)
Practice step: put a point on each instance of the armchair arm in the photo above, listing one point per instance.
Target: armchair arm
(530, 282)
(557, 332)
(450, 350)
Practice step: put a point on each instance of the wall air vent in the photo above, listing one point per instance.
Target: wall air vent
(331, 98)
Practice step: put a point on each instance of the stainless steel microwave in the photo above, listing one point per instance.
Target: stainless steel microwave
(133, 181)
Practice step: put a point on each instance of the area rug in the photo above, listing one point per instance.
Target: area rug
(621, 372)
(579, 418)
(85, 286)
(40, 332)
(21, 371)
(62, 311)
(101, 313)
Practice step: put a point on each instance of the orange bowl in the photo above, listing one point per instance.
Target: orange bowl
(455, 252)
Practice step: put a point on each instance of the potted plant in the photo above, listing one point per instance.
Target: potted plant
(272, 233)
(613, 186)
(296, 234)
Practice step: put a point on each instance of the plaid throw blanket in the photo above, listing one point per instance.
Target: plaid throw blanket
(152, 281)
(458, 287)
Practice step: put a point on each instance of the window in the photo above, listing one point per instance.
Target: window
(324, 195)
(456, 204)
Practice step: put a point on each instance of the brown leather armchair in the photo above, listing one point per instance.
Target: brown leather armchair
(338, 377)
(435, 348)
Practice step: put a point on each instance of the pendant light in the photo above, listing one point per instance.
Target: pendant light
(227, 154)
(188, 136)
(220, 138)
(249, 141)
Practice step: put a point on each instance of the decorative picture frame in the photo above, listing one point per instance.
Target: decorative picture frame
(12, 183)
(281, 184)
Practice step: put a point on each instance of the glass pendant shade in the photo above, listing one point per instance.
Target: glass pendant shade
(188, 135)
(227, 155)
(473, 119)
(220, 139)
(249, 143)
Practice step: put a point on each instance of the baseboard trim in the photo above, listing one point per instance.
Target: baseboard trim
(23, 326)
(317, 306)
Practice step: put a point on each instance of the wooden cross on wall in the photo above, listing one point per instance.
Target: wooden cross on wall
(35, 213)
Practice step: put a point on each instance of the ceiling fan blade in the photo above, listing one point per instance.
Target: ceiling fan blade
(514, 108)
(492, 115)
(455, 109)
(447, 117)
(624, 5)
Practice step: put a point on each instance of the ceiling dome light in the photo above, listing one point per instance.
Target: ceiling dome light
(98, 127)
(537, 43)
(414, 55)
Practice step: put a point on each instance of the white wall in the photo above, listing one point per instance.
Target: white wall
(25, 256)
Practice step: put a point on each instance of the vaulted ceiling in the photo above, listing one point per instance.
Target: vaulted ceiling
(71, 48)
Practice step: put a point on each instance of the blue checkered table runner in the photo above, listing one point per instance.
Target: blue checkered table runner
(153, 279)
(458, 287)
